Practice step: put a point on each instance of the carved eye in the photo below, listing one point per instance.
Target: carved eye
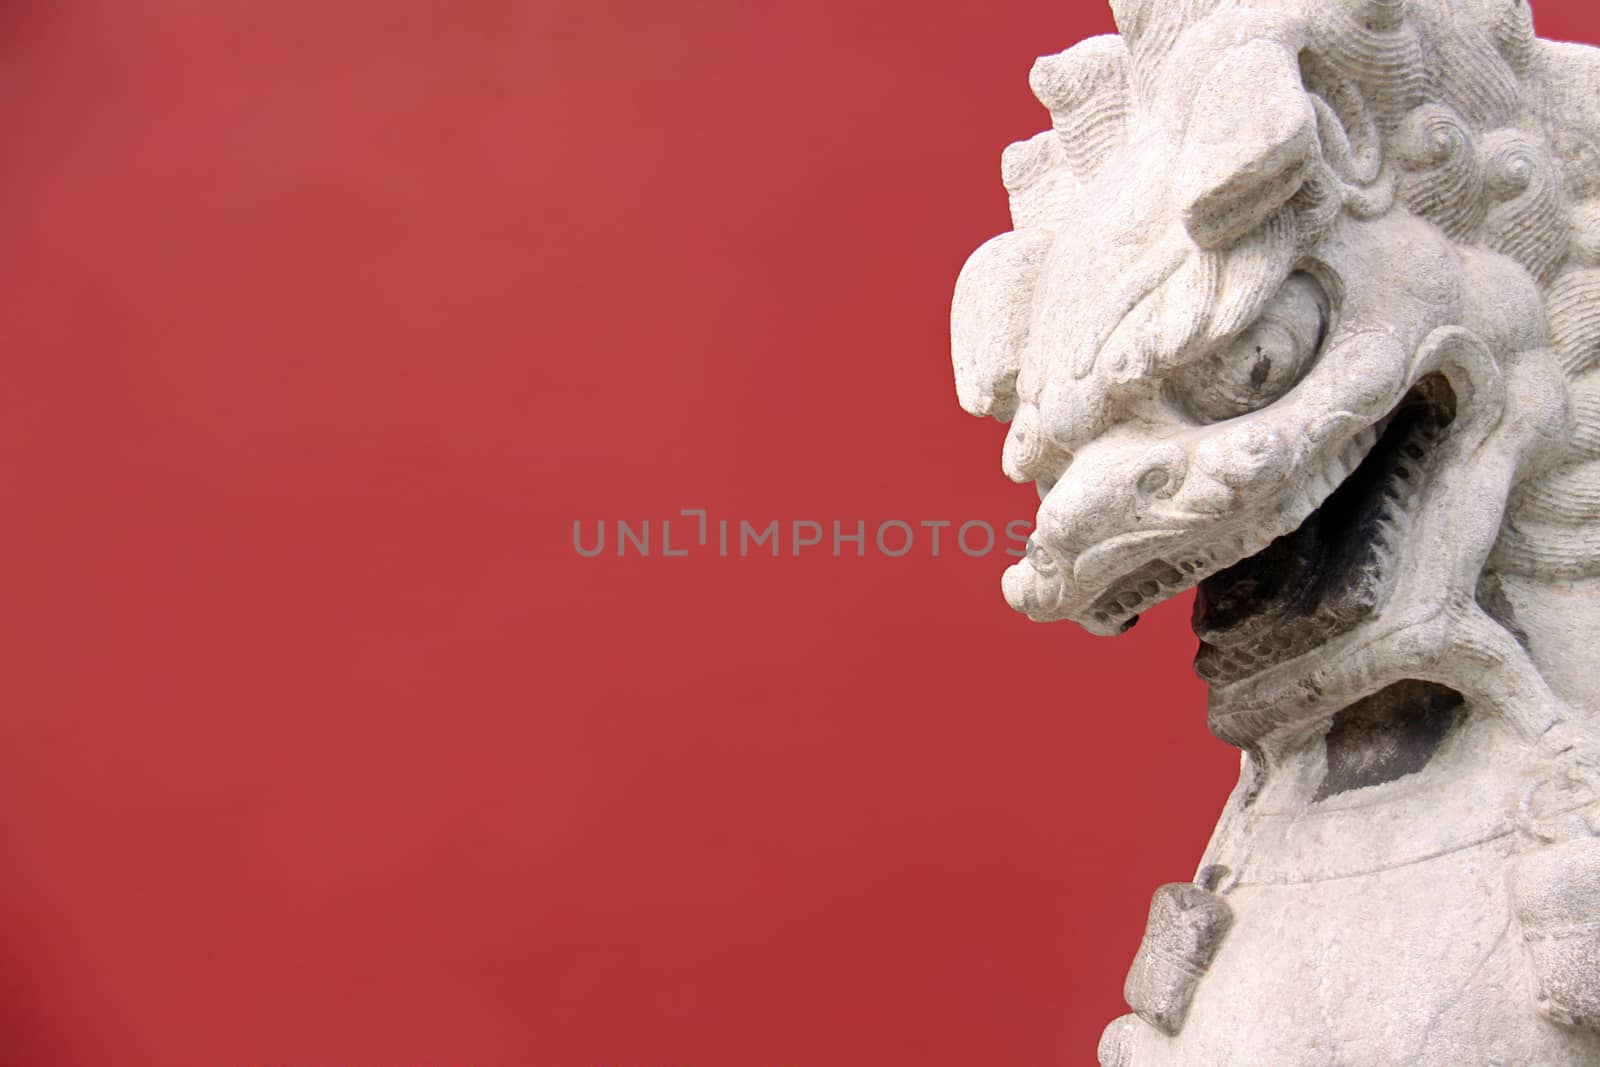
(1262, 363)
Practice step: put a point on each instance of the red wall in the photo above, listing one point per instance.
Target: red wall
(321, 323)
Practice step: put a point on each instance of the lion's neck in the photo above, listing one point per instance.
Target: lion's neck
(1561, 621)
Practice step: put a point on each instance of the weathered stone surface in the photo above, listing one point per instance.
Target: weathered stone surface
(1302, 308)
(1187, 925)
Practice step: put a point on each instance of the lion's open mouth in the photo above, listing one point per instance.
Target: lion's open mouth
(1335, 570)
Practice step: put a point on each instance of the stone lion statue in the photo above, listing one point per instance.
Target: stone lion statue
(1302, 310)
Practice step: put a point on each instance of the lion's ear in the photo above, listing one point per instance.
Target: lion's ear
(1086, 90)
(1251, 140)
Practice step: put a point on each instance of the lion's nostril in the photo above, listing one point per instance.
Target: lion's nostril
(1162, 481)
(1164, 471)
(1041, 559)
(1154, 480)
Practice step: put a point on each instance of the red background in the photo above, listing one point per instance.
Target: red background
(321, 324)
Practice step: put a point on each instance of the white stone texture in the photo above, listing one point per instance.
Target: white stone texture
(1302, 305)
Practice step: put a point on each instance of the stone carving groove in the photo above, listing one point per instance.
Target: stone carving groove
(1301, 309)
